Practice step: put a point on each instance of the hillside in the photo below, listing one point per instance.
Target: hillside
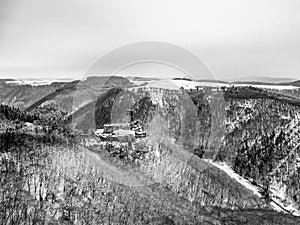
(250, 92)
(64, 90)
(25, 95)
(72, 187)
(262, 125)
(76, 94)
(296, 83)
(89, 186)
(228, 156)
(263, 79)
(261, 144)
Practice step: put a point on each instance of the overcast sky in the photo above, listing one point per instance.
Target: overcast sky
(236, 38)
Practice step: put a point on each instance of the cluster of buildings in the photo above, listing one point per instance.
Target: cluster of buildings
(122, 132)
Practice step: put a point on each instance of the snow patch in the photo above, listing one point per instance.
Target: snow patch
(35, 82)
(277, 195)
(186, 84)
(230, 172)
(156, 99)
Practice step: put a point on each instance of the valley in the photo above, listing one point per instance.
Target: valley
(212, 153)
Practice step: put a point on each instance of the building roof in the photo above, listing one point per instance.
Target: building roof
(116, 125)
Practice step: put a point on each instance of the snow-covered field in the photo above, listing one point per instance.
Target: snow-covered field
(35, 82)
(176, 84)
(165, 84)
(139, 82)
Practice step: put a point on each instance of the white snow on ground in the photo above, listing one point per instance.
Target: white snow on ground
(278, 195)
(35, 82)
(184, 83)
(275, 193)
(171, 84)
(166, 84)
(230, 172)
(233, 123)
(176, 84)
(278, 190)
(212, 84)
(156, 99)
(139, 82)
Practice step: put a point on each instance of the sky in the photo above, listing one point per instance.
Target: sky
(62, 38)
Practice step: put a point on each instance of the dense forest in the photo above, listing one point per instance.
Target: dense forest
(261, 141)
(49, 177)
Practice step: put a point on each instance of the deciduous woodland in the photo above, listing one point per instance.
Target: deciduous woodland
(209, 155)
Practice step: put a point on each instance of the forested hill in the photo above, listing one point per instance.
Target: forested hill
(15, 114)
(296, 83)
(259, 93)
(22, 96)
(74, 95)
(54, 182)
(66, 89)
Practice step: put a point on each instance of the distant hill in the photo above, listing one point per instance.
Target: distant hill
(296, 83)
(22, 96)
(110, 106)
(142, 78)
(66, 89)
(2, 81)
(182, 78)
(76, 94)
(259, 83)
(213, 81)
(263, 79)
